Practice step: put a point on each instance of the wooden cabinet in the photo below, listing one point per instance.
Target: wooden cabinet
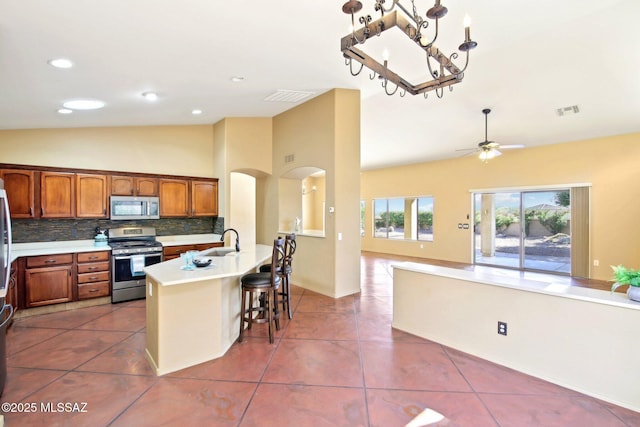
(19, 185)
(92, 198)
(182, 198)
(57, 195)
(93, 274)
(171, 252)
(174, 197)
(48, 280)
(133, 186)
(204, 198)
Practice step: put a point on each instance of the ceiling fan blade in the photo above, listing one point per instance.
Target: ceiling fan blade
(507, 147)
(467, 149)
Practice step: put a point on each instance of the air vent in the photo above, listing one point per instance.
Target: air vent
(566, 111)
(289, 158)
(288, 96)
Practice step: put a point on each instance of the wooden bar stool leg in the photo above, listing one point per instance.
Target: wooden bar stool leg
(270, 315)
(242, 314)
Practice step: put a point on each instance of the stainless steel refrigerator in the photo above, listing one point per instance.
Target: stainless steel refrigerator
(5, 264)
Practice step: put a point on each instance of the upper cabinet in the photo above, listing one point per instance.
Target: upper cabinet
(92, 198)
(57, 195)
(174, 197)
(44, 192)
(133, 186)
(182, 197)
(19, 185)
(204, 198)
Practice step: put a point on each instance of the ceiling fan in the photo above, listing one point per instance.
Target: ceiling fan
(489, 149)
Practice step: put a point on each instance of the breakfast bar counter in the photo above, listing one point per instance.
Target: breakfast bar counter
(194, 315)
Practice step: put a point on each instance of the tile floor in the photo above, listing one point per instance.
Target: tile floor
(337, 363)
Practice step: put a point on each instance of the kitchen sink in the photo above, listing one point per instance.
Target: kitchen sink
(218, 251)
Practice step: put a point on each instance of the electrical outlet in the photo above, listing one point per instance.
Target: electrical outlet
(502, 328)
(596, 263)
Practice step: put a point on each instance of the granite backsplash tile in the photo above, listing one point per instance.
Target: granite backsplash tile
(48, 230)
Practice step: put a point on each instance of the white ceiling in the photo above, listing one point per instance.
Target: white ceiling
(533, 57)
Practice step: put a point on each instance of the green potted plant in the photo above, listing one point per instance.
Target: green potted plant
(627, 276)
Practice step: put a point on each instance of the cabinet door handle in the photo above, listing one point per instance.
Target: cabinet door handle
(31, 211)
(93, 290)
(94, 278)
(50, 261)
(93, 268)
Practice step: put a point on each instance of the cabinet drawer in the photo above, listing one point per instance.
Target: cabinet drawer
(93, 277)
(49, 260)
(93, 290)
(94, 256)
(93, 267)
(205, 246)
(177, 250)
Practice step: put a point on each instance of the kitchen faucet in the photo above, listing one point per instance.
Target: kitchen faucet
(237, 238)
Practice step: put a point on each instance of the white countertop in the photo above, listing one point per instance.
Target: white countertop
(169, 273)
(73, 246)
(511, 279)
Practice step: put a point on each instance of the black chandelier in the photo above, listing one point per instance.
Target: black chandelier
(441, 73)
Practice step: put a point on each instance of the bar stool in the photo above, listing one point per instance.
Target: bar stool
(263, 284)
(285, 273)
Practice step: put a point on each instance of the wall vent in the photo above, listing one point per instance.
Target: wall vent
(573, 109)
(283, 95)
(289, 158)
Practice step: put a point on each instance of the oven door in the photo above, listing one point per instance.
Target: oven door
(122, 268)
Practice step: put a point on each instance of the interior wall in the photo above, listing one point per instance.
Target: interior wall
(608, 164)
(242, 209)
(312, 134)
(171, 150)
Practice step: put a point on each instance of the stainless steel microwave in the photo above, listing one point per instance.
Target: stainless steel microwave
(130, 207)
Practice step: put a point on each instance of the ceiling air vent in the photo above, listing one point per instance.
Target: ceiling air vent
(566, 111)
(289, 158)
(288, 96)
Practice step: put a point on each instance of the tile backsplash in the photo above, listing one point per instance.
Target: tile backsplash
(47, 230)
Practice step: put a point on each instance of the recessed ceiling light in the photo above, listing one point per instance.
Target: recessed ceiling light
(83, 104)
(60, 63)
(65, 111)
(150, 96)
(237, 79)
(196, 112)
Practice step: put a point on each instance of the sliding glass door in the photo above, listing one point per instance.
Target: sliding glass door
(528, 230)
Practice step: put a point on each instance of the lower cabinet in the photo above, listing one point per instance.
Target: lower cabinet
(48, 280)
(93, 274)
(171, 252)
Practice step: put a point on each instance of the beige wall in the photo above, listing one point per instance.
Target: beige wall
(610, 164)
(171, 150)
(318, 136)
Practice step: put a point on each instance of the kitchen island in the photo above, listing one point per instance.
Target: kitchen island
(194, 315)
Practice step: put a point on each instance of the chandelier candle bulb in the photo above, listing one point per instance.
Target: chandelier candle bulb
(467, 28)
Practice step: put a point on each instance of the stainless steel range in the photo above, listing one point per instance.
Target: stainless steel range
(132, 249)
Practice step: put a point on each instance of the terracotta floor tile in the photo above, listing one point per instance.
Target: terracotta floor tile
(130, 319)
(489, 377)
(66, 319)
(549, 411)
(410, 366)
(188, 402)
(20, 338)
(323, 326)
(105, 395)
(398, 407)
(126, 357)
(244, 361)
(301, 406)
(313, 362)
(22, 382)
(67, 350)
(324, 304)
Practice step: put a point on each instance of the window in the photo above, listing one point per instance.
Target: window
(403, 218)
